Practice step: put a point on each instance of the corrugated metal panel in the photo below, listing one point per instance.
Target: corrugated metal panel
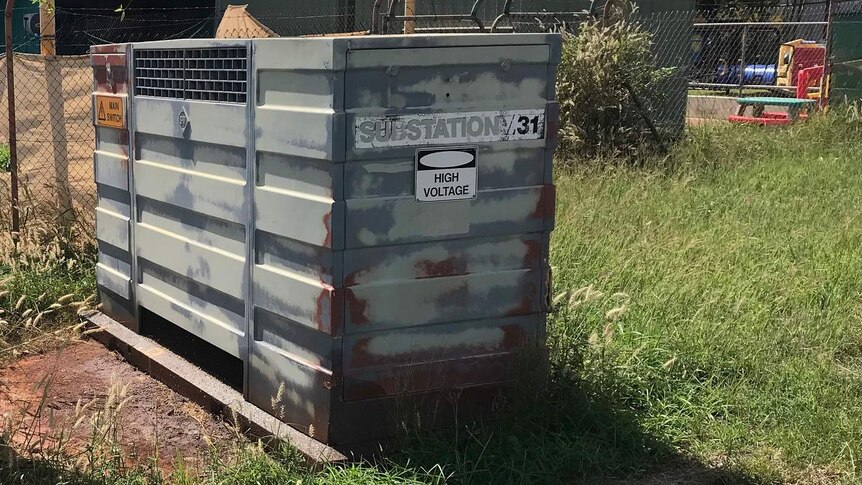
(277, 221)
(114, 272)
(191, 191)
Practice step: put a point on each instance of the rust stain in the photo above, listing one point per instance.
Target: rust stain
(360, 357)
(514, 337)
(533, 253)
(108, 48)
(553, 126)
(328, 314)
(327, 221)
(547, 202)
(454, 266)
(320, 311)
(101, 75)
(110, 73)
(357, 308)
(428, 377)
(124, 142)
(550, 200)
(524, 307)
(353, 278)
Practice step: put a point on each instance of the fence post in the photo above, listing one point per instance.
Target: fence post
(56, 111)
(47, 23)
(409, 10)
(826, 80)
(13, 144)
(59, 140)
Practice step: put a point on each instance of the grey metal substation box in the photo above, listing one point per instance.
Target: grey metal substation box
(362, 222)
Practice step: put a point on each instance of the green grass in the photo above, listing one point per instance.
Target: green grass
(5, 157)
(708, 320)
(742, 337)
(44, 280)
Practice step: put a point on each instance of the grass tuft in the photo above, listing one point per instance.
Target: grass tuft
(46, 278)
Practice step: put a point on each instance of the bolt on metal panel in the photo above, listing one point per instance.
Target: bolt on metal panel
(274, 209)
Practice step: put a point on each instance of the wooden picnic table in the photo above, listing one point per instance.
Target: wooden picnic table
(758, 104)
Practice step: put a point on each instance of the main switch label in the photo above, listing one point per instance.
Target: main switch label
(110, 111)
(443, 128)
(446, 174)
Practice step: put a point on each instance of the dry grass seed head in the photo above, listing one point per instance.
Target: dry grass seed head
(560, 297)
(615, 313)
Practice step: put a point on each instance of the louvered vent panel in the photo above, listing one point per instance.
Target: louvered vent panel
(216, 74)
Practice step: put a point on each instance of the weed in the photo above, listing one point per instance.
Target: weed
(5, 157)
(46, 278)
(598, 107)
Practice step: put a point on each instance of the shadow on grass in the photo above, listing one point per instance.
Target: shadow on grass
(39, 472)
(15, 469)
(562, 432)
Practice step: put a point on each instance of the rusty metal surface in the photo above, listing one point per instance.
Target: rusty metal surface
(113, 208)
(287, 232)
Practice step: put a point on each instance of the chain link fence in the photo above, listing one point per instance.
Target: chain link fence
(755, 52)
(54, 140)
(715, 57)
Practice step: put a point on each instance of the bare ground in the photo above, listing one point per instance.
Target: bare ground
(39, 396)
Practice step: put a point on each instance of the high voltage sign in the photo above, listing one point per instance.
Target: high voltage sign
(110, 111)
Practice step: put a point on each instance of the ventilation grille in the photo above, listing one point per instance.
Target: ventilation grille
(214, 74)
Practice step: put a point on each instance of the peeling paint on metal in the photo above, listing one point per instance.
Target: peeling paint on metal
(286, 232)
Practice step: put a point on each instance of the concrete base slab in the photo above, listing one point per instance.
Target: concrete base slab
(190, 381)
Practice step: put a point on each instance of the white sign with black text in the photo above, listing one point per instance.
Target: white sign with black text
(446, 174)
(439, 128)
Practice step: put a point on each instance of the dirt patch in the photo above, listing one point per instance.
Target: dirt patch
(42, 396)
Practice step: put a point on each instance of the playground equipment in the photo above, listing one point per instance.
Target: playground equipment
(793, 58)
(808, 78)
(796, 55)
(795, 110)
(756, 74)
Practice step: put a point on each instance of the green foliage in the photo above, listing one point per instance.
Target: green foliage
(46, 277)
(5, 157)
(600, 67)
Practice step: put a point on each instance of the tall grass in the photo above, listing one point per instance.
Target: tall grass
(46, 277)
(741, 260)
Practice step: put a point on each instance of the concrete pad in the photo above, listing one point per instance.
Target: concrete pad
(196, 385)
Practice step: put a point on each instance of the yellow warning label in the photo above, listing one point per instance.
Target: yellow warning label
(110, 112)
